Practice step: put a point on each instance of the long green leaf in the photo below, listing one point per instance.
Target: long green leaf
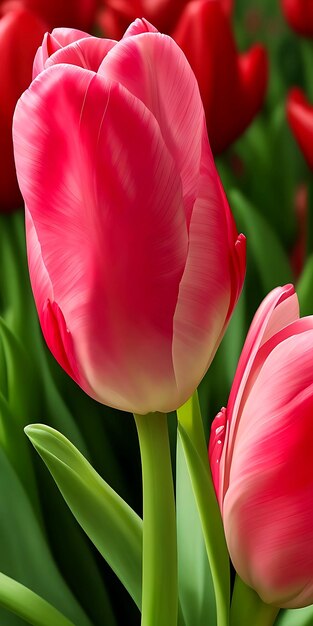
(109, 522)
(190, 430)
(24, 552)
(295, 617)
(28, 605)
(304, 288)
(264, 248)
(194, 574)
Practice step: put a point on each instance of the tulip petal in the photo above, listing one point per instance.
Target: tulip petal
(300, 119)
(265, 505)
(277, 310)
(59, 38)
(139, 26)
(87, 53)
(112, 197)
(153, 68)
(205, 291)
(66, 36)
(272, 315)
(59, 339)
(217, 438)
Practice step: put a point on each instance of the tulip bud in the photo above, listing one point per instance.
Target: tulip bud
(299, 15)
(232, 85)
(20, 35)
(300, 119)
(134, 258)
(261, 455)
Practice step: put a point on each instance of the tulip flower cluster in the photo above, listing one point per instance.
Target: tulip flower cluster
(137, 263)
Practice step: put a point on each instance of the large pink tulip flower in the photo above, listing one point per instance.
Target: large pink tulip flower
(134, 257)
(261, 455)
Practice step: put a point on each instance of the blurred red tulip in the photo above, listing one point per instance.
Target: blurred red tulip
(21, 33)
(232, 85)
(73, 13)
(116, 15)
(133, 253)
(300, 119)
(299, 15)
(261, 455)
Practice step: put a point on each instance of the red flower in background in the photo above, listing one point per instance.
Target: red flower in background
(21, 33)
(73, 13)
(232, 85)
(300, 119)
(116, 15)
(299, 15)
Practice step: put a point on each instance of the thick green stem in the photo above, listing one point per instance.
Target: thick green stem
(27, 605)
(159, 586)
(247, 607)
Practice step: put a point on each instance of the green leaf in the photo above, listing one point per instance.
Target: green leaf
(28, 605)
(194, 574)
(247, 607)
(304, 288)
(295, 617)
(264, 247)
(190, 430)
(24, 552)
(109, 522)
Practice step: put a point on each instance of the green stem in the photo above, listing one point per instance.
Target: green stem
(247, 607)
(159, 587)
(195, 447)
(28, 605)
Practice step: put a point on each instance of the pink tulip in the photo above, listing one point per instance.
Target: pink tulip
(261, 455)
(134, 257)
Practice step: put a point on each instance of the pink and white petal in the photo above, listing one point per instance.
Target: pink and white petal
(140, 25)
(86, 53)
(205, 289)
(297, 327)
(286, 372)
(153, 68)
(59, 38)
(268, 508)
(66, 36)
(49, 46)
(261, 327)
(40, 279)
(112, 233)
